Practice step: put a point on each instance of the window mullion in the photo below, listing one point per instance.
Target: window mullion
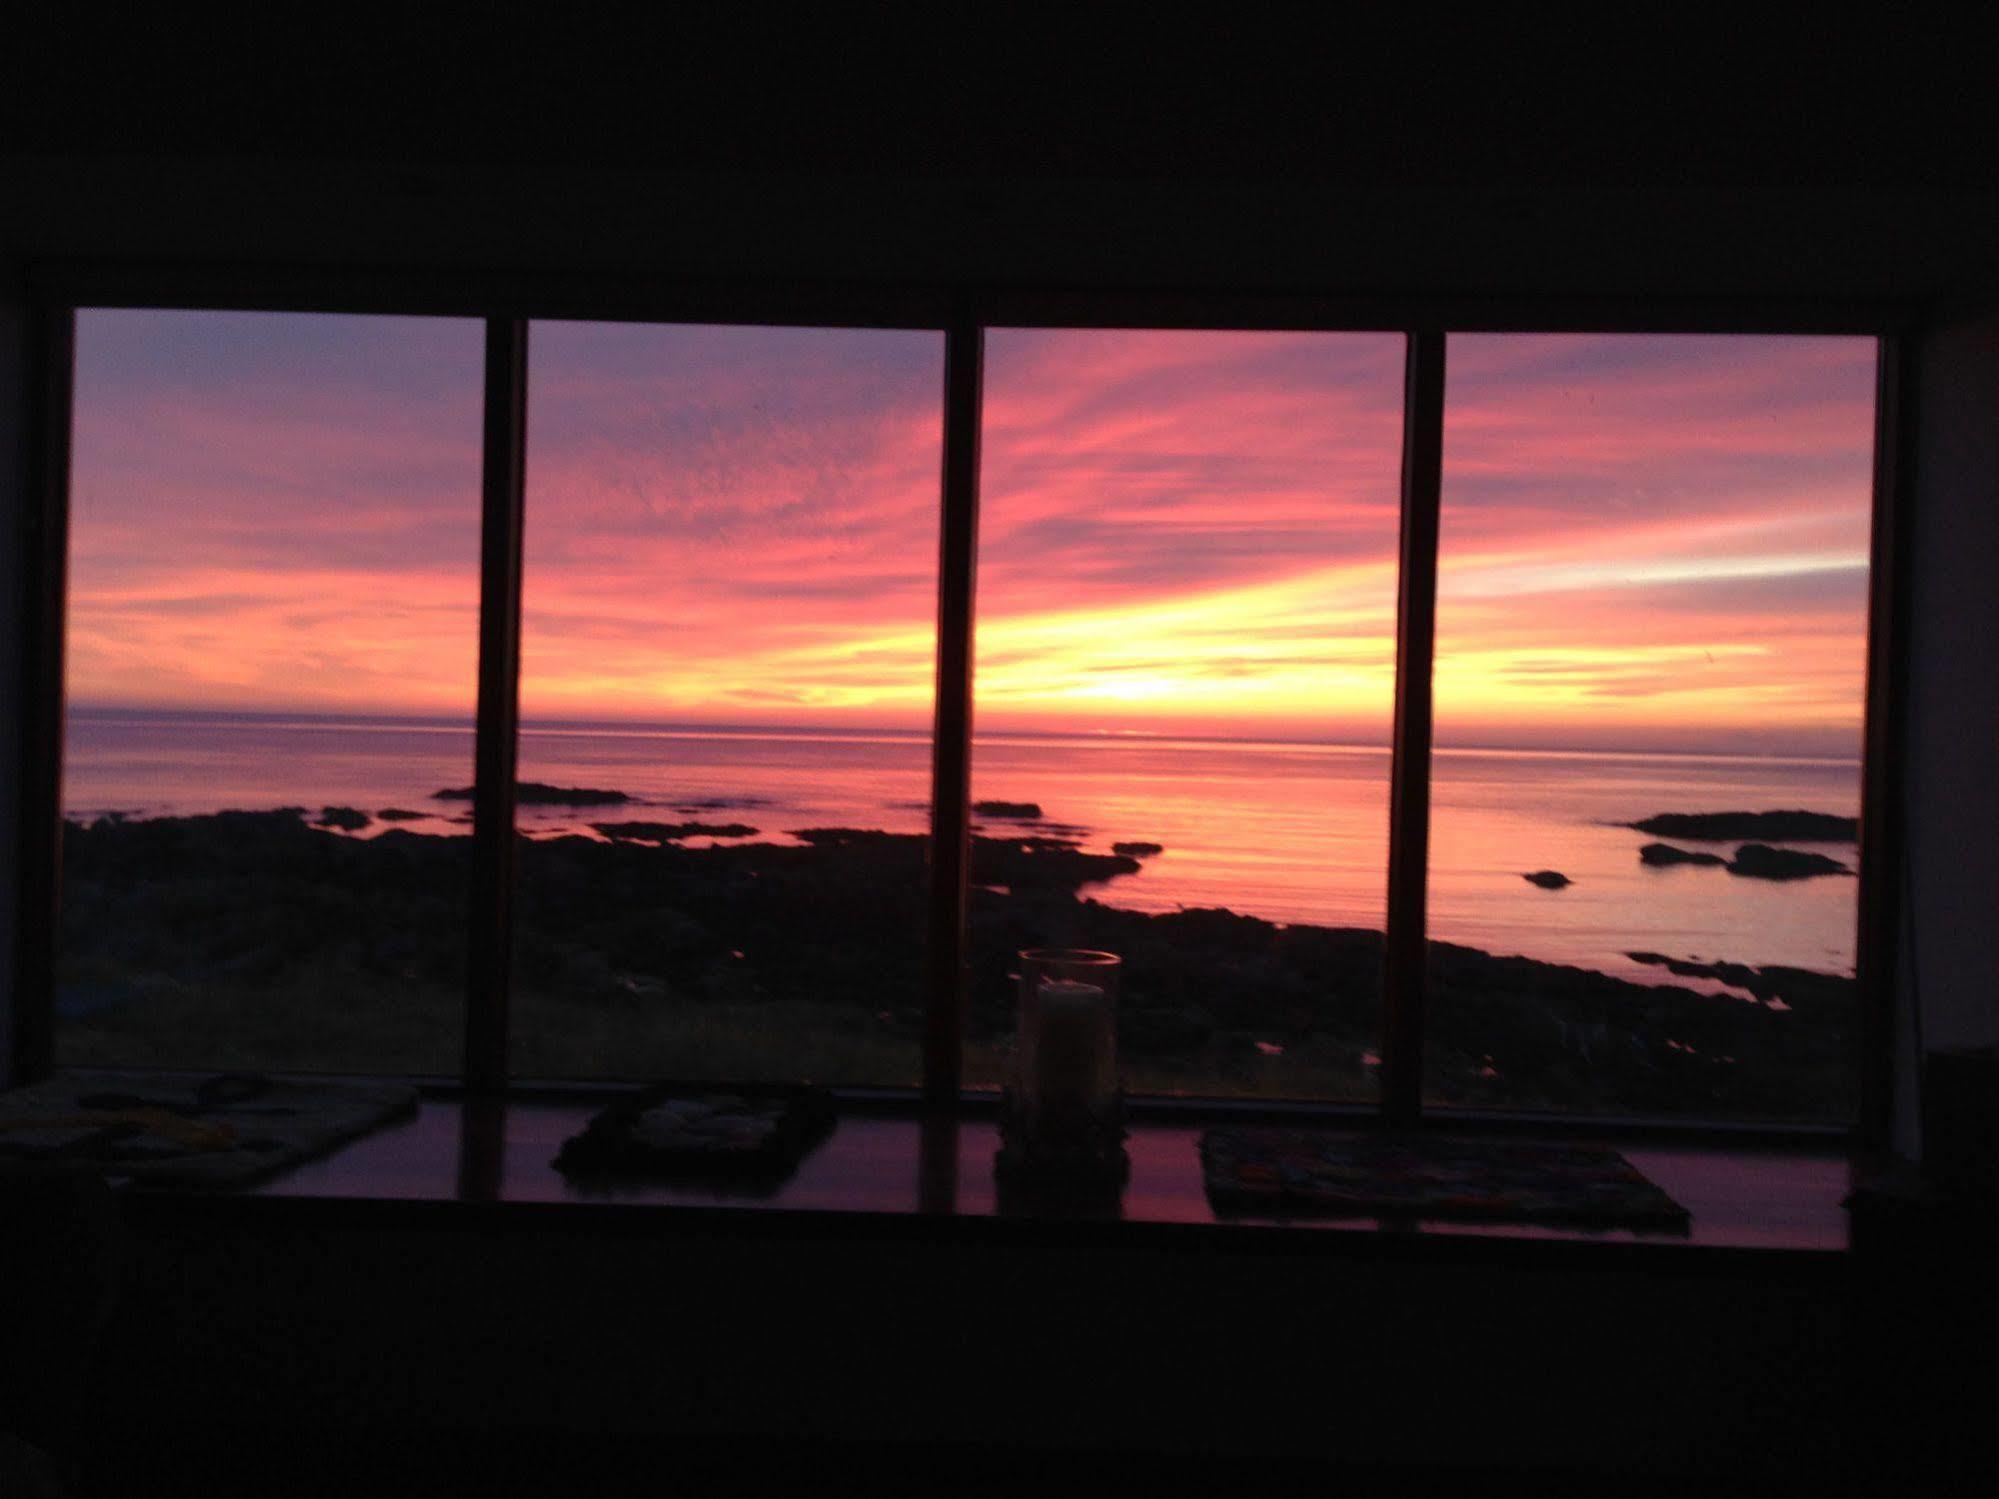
(951, 744)
(1409, 791)
(491, 931)
(52, 352)
(1878, 949)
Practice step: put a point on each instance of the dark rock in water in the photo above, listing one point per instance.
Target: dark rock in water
(1801, 989)
(1759, 861)
(401, 814)
(1785, 827)
(1011, 811)
(1740, 975)
(1025, 865)
(348, 819)
(1030, 865)
(536, 794)
(1138, 850)
(867, 839)
(1548, 879)
(667, 832)
(1665, 853)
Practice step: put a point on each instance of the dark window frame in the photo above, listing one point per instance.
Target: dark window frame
(507, 304)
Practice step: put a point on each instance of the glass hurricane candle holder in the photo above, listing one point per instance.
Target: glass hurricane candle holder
(1061, 1122)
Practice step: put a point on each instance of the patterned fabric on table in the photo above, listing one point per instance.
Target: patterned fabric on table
(187, 1130)
(1256, 1170)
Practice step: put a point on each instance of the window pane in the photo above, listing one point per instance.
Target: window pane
(273, 630)
(1653, 601)
(730, 616)
(1186, 639)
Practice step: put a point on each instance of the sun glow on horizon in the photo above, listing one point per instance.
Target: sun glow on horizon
(1313, 646)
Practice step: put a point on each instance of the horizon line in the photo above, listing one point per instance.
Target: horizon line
(457, 723)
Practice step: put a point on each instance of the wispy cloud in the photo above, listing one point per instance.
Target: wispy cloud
(1656, 540)
(722, 519)
(1646, 540)
(272, 510)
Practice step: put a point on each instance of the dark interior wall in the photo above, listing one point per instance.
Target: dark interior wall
(14, 480)
(1785, 244)
(1396, 154)
(1953, 686)
(1344, 1350)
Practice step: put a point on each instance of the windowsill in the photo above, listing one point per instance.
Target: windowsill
(1758, 1199)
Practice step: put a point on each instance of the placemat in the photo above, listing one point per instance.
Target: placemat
(753, 1135)
(187, 1129)
(1289, 1170)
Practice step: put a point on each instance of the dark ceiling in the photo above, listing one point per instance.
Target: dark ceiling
(1388, 157)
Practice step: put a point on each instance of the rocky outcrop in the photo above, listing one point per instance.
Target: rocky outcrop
(1726, 827)
(1137, 850)
(1759, 861)
(1019, 865)
(1548, 879)
(1008, 811)
(671, 832)
(1665, 853)
(1775, 983)
(539, 794)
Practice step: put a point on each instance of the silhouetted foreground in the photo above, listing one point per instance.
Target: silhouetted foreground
(258, 940)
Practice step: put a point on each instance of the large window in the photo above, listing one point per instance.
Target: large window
(759, 570)
(272, 641)
(1651, 626)
(1185, 682)
(727, 677)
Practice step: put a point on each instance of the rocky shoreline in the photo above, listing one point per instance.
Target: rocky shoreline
(248, 928)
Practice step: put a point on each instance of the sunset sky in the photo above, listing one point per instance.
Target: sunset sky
(1647, 542)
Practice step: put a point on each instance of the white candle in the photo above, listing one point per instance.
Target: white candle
(1073, 1050)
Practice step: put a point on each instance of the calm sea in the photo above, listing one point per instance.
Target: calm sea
(1290, 832)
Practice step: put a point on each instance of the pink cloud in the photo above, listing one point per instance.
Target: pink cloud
(722, 520)
(283, 512)
(275, 511)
